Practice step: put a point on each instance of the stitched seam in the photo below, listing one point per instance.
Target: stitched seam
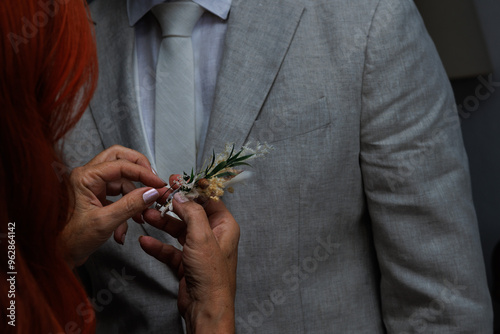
(364, 69)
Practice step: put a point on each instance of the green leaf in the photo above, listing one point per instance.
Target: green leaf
(218, 168)
(245, 157)
(235, 156)
(209, 166)
(241, 164)
(225, 174)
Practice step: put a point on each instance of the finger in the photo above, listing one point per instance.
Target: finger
(137, 217)
(174, 183)
(123, 187)
(117, 152)
(97, 176)
(221, 220)
(174, 180)
(167, 254)
(200, 237)
(128, 206)
(120, 233)
(120, 187)
(171, 225)
(216, 209)
(107, 202)
(194, 216)
(227, 233)
(226, 230)
(164, 193)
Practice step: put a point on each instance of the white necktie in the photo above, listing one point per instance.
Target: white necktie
(175, 120)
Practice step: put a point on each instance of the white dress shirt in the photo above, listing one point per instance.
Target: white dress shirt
(207, 38)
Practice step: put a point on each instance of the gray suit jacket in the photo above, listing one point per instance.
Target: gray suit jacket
(360, 221)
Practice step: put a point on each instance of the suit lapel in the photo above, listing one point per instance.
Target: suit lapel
(257, 39)
(114, 106)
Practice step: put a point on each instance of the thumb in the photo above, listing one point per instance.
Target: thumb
(129, 205)
(195, 217)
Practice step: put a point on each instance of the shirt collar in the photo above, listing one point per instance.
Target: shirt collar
(138, 8)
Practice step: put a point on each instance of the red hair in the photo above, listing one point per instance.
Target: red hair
(49, 69)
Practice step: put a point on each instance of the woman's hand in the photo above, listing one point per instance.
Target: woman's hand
(92, 217)
(206, 266)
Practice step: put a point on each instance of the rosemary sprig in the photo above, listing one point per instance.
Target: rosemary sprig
(230, 162)
(211, 181)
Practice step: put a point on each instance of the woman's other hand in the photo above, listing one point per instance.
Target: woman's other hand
(206, 266)
(92, 217)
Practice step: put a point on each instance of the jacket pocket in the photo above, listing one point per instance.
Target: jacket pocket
(282, 123)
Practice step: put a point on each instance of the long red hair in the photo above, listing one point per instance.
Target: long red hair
(49, 68)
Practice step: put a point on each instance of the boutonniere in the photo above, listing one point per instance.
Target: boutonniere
(220, 174)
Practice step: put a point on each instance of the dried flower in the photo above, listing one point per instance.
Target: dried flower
(210, 182)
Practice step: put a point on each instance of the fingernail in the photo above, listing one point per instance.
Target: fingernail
(123, 239)
(180, 197)
(140, 237)
(150, 196)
